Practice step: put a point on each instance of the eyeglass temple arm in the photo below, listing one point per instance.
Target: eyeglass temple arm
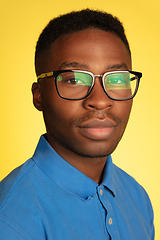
(44, 75)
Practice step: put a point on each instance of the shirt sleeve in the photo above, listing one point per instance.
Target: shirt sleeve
(9, 230)
(152, 228)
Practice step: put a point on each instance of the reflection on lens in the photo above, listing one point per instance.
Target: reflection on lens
(120, 85)
(74, 85)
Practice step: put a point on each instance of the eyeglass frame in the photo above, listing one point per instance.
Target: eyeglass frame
(57, 72)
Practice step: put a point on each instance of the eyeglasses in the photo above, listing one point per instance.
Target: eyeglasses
(77, 84)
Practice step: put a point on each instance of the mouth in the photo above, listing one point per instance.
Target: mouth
(97, 129)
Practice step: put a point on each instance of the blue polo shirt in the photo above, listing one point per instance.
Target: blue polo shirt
(48, 199)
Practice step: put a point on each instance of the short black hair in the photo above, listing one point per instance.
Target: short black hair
(76, 21)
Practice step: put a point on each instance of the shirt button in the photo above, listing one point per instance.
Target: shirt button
(101, 192)
(110, 221)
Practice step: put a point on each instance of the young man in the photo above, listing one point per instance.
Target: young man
(70, 189)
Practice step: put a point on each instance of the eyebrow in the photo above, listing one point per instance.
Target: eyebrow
(117, 66)
(74, 65)
(86, 66)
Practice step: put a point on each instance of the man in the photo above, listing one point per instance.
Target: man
(70, 189)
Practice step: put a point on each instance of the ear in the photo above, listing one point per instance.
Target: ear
(36, 92)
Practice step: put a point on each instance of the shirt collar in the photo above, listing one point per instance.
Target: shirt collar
(67, 176)
(108, 176)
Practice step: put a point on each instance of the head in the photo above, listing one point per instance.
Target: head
(92, 41)
(75, 22)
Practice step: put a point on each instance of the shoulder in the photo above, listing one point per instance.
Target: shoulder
(23, 197)
(127, 182)
(127, 186)
(16, 178)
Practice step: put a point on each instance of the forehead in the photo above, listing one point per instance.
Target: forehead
(90, 47)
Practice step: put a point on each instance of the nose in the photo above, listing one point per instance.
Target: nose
(97, 98)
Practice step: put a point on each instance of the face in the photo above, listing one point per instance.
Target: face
(91, 127)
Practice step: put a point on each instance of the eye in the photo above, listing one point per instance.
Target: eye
(75, 81)
(116, 80)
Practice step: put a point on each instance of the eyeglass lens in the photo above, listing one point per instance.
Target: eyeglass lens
(76, 85)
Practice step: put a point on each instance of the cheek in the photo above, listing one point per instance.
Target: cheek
(123, 111)
(66, 110)
(58, 112)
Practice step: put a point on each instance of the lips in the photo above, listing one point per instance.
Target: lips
(97, 129)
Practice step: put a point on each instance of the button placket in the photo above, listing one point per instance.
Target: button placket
(110, 223)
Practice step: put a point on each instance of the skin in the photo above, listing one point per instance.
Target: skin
(84, 132)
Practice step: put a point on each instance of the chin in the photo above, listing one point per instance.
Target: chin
(100, 151)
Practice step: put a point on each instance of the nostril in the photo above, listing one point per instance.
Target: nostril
(99, 103)
(100, 107)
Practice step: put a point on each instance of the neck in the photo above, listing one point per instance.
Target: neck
(91, 167)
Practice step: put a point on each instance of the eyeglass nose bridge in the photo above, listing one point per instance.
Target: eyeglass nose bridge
(102, 82)
(98, 75)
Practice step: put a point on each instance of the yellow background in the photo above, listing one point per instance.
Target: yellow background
(21, 124)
